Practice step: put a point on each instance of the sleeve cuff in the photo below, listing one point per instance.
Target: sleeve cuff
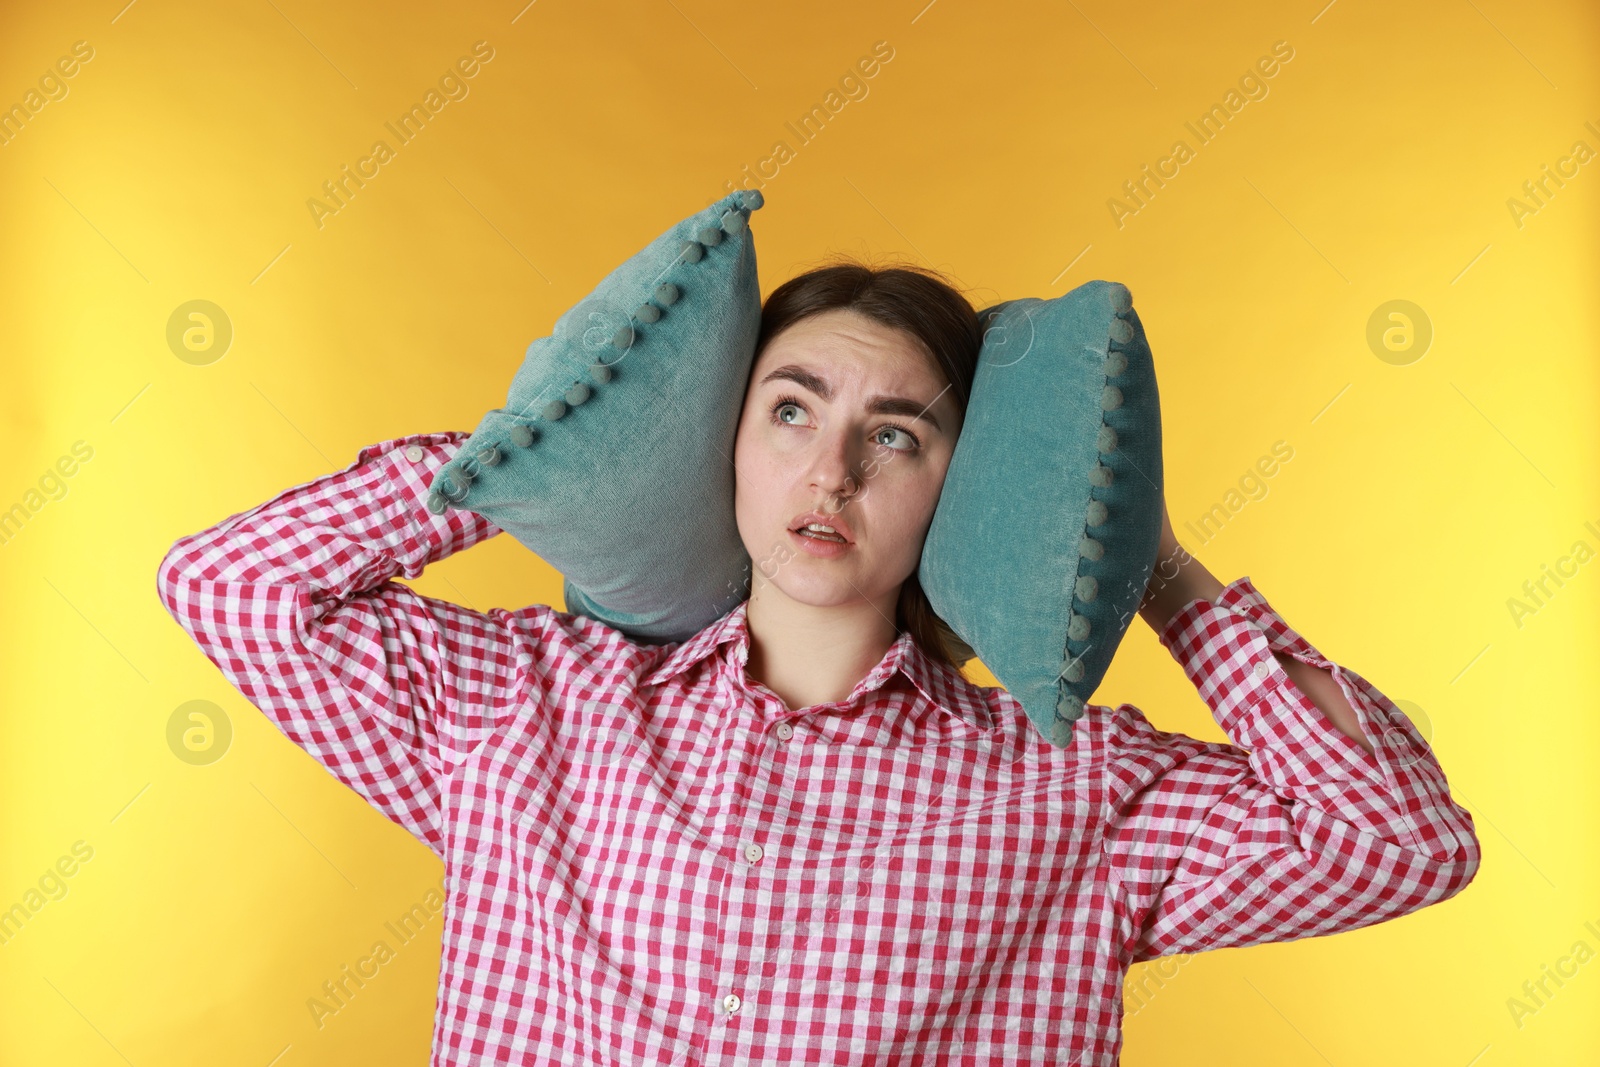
(408, 466)
(1227, 649)
(1239, 598)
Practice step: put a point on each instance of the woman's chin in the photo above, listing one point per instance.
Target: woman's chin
(817, 590)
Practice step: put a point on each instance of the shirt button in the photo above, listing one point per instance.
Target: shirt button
(1262, 669)
(785, 731)
(752, 853)
(414, 453)
(731, 1002)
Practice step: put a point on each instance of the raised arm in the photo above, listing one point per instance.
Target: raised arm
(386, 688)
(1302, 826)
(1180, 578)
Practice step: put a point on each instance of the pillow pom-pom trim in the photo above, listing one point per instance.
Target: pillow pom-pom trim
(732, 221)
(1069, 705)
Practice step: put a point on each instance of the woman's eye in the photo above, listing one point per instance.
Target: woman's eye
(910, 438)
(778, 411)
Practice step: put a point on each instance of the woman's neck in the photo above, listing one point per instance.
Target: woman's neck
(811, 655)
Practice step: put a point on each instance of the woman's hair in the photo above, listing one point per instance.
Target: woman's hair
(921, 302)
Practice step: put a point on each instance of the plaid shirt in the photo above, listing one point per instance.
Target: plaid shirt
(651, 860)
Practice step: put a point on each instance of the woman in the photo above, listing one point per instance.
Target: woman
(802, 834)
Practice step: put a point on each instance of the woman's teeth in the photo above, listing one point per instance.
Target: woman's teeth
(821, 535)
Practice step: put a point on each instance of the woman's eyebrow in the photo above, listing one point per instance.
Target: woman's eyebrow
(877, 404)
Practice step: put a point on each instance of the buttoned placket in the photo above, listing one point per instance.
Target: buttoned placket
(746, 729)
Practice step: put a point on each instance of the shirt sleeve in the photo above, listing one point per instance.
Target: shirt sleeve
(1292, 831)
(386, 688)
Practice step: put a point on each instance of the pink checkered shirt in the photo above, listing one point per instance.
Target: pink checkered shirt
(651, 860)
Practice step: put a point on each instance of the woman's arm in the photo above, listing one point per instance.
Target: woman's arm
(1180, 579)
(1315, 817)
(386, 688)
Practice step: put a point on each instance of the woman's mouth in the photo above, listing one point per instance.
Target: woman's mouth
(820, 543)
(821, 533)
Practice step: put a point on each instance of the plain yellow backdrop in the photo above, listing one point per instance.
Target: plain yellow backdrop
(1385, 161)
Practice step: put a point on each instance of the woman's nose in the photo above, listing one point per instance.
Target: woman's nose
(837, 466)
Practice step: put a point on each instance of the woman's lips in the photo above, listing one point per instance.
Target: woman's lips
(820, 546)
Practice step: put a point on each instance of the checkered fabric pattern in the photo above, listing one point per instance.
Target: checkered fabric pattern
(651, 860)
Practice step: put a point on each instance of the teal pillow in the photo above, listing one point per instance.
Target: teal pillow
(612, 457)
(1049, 521)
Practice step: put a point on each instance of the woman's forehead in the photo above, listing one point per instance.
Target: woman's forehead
(845, 350)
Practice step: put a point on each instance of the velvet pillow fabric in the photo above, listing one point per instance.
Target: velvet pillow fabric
(1049, 522)
(612, 457)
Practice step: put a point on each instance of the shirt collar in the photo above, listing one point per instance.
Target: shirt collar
(944, 686)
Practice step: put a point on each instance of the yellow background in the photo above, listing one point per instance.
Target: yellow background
(1419, 498)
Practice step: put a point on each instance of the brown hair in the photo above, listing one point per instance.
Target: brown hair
(923, 303)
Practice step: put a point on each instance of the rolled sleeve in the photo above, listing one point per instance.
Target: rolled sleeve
(1293, 829)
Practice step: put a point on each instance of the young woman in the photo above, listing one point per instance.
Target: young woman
(802, 835)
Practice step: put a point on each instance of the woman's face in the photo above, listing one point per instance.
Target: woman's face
(851, 420)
